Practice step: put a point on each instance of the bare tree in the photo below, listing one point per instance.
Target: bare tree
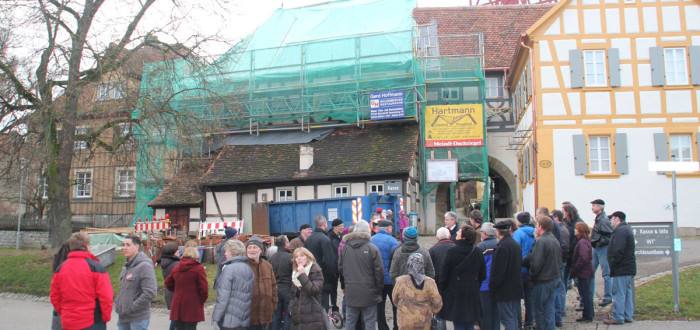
(43, 96)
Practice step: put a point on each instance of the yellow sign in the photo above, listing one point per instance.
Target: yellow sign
(454, 125)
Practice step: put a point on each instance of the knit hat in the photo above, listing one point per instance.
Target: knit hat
(336, 222)
(379, 210)
(230, 232)
(524, 217)
(254, 240)
(410, 234)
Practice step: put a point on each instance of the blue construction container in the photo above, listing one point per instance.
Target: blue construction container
(287, 217)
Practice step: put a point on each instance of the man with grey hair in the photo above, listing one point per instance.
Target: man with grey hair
(451, 225)
(319, 244)
(438, 252)
(489, 310)
(361, 276)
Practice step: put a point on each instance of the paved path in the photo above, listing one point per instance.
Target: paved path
(20, 312)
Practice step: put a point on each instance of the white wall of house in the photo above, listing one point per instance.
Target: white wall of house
(324, 191)
(228, 202)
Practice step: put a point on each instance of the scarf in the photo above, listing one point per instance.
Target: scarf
(296, 273)
(416, 270)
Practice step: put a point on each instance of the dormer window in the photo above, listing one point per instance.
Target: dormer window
(110, 91)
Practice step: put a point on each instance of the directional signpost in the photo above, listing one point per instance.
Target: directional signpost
(674, 167)
(652, 239)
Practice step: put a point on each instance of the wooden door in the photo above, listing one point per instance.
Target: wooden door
(179, 219)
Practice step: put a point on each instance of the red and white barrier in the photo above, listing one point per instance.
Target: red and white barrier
(149, 226)
(218, 227)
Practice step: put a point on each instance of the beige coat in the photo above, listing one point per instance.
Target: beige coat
(416, 307)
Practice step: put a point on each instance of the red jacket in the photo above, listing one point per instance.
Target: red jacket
(81, 291)
(188, 281)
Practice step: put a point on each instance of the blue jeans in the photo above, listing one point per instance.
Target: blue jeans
(508, 313)
(489, 312)
(369, 315)
(584, 288)
(622, 296)
(544, 296)
(529, 310)
(600, 257)
(136, 325)
(464, 326)
(282, 312)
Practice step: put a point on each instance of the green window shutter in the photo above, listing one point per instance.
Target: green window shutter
(614, 67)
(576, 67)
(661, 147)
(658, 75)
(694, 54)
(580, 155)
(621, 163)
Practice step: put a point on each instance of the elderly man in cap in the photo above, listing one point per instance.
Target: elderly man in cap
(385, 243)
(489, 318)
(220, 252)
(264, 302)
(305, 231)
(623, 267)
(504, 279)
(600, 237)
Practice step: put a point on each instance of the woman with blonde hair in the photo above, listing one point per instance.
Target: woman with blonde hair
(307, 278)
(582, 269)
(188, 281)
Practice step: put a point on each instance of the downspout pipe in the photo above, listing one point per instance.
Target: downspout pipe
(534, 116)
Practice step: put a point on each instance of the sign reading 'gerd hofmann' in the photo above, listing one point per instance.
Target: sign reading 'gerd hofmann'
(454, 125)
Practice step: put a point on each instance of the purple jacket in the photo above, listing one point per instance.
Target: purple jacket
(403, 223)
(583, 257)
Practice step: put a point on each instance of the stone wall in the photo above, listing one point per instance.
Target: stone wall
(28, 239)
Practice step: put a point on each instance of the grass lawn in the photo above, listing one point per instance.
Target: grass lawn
(29, 271)
(655, 299)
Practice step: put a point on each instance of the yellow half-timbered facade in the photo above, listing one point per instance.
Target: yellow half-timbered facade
(601, 88)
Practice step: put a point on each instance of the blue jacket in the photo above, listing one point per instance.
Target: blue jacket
(385, 243)
(488, 246)
(525, 236)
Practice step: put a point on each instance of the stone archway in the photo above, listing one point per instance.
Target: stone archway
(505, 190)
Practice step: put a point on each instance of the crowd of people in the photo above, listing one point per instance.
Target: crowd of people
(479, 273)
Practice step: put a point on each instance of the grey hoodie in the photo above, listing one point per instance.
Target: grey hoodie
(399, 260)
(137, 288)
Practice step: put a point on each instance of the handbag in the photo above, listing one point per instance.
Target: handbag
(326, 320)
(435, 323)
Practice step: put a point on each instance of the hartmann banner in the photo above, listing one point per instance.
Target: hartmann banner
(454, 125)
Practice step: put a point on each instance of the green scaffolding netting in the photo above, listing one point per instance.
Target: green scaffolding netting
(303, 65)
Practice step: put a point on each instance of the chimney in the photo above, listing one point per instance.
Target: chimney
(306, 158)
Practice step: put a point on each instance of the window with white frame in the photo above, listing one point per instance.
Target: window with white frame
(80, 144)
(681, 147)
(126, 182)
(110, 91)
(285, 194)
(341, 191)
(450, 93)
(675, 66)
(376, 188)
(83, 184)
(43, 190)
(594, 67)
(599, 153)
(492, 88)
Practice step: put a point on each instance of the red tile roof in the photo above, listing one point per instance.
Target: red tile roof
(501, 26)
(184, 190)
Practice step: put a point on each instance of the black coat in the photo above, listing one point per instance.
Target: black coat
(460, 279)
(320, 246)
(304, 304)
(505, 283)
(438, 253)
(621, 252)
(281, 263)
(362, 271)
(167, 263)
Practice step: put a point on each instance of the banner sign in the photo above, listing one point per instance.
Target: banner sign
(454, 125)
(386, 105)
